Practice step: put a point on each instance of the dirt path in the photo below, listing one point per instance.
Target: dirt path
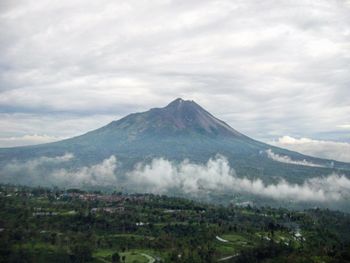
(150, 258)
(227, 258)
(221, 239)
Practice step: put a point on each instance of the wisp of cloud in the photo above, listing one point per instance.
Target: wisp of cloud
(286, 159)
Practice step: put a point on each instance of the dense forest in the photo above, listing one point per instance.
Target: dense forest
(55, 225)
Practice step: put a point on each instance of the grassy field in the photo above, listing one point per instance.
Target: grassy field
(131, 256)
(235, 243)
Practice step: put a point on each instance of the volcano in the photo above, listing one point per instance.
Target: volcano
(181, 130)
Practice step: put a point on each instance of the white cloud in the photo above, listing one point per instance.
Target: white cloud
(163, 176)
(48, 171)
(344, 126)
(101, 174)
(339, 151)
(32, 165)
(216, 175)
(287, 159)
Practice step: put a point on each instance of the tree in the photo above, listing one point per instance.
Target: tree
(115, 257)
(82, 253)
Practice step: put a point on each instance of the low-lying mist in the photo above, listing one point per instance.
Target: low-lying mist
(286, 159)
(161, 176)
(216, 175)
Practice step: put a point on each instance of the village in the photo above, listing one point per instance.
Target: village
(96, 227)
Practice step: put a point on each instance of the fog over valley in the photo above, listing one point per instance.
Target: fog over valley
(162, 176)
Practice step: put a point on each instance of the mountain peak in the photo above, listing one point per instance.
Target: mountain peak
(177, 101)
(180, 102)
(178, 117)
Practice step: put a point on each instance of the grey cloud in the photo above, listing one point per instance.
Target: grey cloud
(339, 151)
(278, 67)
(27, 140)
(55, 126)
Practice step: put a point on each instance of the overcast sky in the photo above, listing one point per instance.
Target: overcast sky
(268, 68)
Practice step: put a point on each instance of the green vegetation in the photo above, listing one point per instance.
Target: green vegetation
(53, 225)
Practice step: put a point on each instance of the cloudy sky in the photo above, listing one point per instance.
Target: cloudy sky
(278, 71)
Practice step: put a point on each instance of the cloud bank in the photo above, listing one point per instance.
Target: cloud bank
(287, 159)
(339, 151)
(162, 176)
